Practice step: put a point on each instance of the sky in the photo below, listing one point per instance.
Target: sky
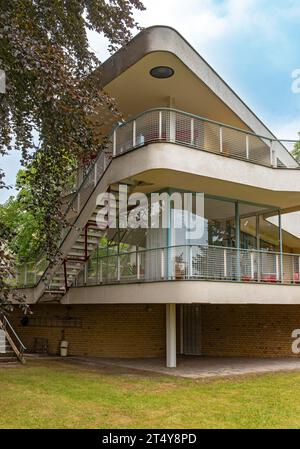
(254, 45)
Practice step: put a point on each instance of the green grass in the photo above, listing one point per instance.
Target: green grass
(52, 394)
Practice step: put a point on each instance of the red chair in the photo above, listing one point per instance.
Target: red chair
(296, 278)
(246, 278)
(270, 278)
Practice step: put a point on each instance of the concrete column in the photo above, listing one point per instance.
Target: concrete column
(171, 335)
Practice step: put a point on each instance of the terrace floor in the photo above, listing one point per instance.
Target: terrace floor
(197, 367)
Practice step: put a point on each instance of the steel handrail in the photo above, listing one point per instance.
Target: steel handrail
(204, 119)
(119, 125)
(7, 324)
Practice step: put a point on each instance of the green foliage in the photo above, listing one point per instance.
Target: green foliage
(296, 150)
(52, 90)
(24, 226)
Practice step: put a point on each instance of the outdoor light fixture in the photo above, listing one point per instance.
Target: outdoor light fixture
(162, 72)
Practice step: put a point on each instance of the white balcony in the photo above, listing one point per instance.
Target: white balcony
(172, 126)
(193, 262)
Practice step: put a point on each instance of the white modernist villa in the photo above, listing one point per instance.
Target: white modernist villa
(233, 290)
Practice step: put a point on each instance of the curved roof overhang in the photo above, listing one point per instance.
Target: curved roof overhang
(195, 86)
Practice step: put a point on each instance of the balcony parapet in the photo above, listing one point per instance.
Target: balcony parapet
(178, 127)
(185, 262)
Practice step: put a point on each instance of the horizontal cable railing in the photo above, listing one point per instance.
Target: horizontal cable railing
(170, 125)
(200, 262)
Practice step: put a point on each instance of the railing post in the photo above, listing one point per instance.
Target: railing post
(273, 154)
(101, 272)
(247, 146)
(138, 267)
(225, 262)
(162, 263)
(172, 125)
(133, 133)
(238, 244)
(259, 266)
(277, 265)
(190, 271)
(221, 139)
(280, 247)
(252, 265)
(85, 272)
(118, 268)
(97, 267)
(114, 143)
(160, 125)
(258, 254)
(192, 131)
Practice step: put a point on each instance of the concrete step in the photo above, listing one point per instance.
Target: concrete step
(91, 240)
(61, 277)
(81, 246)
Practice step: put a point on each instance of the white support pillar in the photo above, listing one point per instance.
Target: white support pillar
(171, 335)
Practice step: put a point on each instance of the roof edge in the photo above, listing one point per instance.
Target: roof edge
(166, 38)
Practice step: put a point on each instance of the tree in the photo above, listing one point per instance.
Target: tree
(296, 150)
(52, 90)
(22, 225)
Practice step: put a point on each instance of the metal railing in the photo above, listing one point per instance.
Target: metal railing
(159, 125)
(171, 125)
(14, 339)
(30, 273)
(190, 262)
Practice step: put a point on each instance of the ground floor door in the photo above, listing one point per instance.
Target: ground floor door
(190, 317)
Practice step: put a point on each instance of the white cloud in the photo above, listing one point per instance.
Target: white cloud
(99, 45)
(214, 27)
(287, 130)
(210, 24)
(200, 21)
(205, 21)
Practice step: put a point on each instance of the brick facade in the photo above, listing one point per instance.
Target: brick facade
(101, 330)
(138, 330)
(249, 330)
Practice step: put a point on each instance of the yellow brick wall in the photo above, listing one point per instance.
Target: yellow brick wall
(249, 330)
(139, 330)
(107, 330)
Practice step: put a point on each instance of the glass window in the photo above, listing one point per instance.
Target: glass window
(219, 222)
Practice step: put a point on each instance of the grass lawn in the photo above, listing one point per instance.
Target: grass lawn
(53, 394)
